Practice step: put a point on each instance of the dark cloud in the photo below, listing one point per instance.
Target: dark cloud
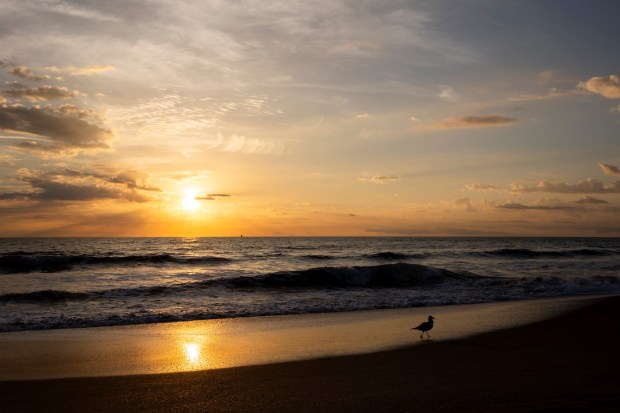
(588, 186)
(25, 73)
(65, 128)
(134, 180)
(591, 200)
(516, 205)
(610, 169)
(473, 122)
(42, 93)
(63, 191)
(74, 185)
(211, 197)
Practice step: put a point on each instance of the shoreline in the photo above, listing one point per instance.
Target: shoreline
(223, 343)
(566, 363)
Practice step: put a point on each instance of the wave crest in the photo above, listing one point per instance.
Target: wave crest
(44, 296)
(528, 253)
(24, 262)
(388, 275)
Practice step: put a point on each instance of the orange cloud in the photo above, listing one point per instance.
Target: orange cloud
(481, 187)
(81, 71)
(588, 186)
(381, 179)
(473, 122)
(608, 87)
(42, 93)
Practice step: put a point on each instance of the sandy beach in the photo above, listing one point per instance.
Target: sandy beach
(542, 355)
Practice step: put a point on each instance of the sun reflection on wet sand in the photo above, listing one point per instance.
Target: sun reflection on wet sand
(192, 353)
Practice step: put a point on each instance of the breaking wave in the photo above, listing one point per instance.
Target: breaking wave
(528, 253)
(26, 262)
(378, 276)
(400, 276)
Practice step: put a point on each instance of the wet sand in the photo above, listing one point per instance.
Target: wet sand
(569, 362)
(214, 344)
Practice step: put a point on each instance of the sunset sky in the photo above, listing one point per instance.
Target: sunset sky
(329, 117)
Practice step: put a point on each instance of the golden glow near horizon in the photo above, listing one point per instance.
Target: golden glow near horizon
(396, 123)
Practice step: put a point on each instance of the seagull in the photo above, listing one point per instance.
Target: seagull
(425, 327)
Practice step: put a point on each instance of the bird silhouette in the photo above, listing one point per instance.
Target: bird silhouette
(425, 327)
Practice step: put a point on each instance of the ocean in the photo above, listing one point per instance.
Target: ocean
(52, 283)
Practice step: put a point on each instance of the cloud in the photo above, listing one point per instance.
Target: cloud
(76, 185)
(465, 202)
(380, 179)
(473, 122)
(481, 188)
(588, 186)
(243, 144)
(7, 160)
(42, 93)
(550, 94)
(608, 87)
(518, 206)
(211, 197)
(610, 169)
(591, 200)
(447, 93)
(24, 73)
(179, 176)
(134, 180)
(64, 129)
(546, 77)
(81, 71)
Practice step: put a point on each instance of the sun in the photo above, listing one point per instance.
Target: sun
(189, 201)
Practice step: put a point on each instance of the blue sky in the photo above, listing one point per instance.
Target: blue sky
(309, 118)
